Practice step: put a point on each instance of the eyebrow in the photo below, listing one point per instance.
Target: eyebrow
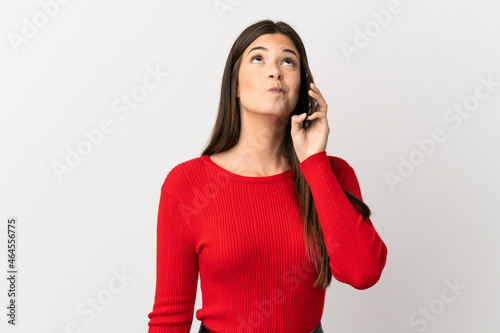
(265, 49)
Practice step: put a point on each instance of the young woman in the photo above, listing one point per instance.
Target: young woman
(264, 215)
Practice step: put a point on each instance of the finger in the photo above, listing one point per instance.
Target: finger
(318, 115)
(316, 95)
(296, 121)
(320, 102)
(315, 88)
(312, 116)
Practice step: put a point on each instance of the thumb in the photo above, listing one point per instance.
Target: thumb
(296, 122)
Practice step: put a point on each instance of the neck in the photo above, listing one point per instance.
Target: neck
(257, 148)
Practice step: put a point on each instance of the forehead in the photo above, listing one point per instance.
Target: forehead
(271, 41)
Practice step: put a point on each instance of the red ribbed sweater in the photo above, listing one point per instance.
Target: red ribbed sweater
(245, 237)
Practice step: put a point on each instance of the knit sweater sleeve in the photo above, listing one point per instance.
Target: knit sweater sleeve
(176, 270)
(356, 251)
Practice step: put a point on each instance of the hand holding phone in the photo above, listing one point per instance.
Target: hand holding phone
(305, 123)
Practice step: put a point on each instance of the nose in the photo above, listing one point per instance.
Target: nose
(275, 76)
(275, 72)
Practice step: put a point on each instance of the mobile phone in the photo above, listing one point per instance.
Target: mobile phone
(305, 123)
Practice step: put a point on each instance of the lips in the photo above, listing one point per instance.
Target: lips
(276, 89)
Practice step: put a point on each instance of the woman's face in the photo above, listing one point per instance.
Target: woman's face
(274, 62)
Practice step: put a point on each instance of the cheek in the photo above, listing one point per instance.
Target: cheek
(247, 81)
(254, 82)
(296, 90)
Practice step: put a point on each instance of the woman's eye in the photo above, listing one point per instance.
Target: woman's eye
(256, 57)
(290, 60)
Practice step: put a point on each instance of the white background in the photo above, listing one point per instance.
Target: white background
(439, 224)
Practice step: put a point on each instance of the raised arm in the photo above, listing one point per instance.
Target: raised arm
(356, 251)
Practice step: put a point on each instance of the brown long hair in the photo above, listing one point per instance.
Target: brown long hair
(226, 131)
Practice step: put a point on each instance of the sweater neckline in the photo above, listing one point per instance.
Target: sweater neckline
(247, 179)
